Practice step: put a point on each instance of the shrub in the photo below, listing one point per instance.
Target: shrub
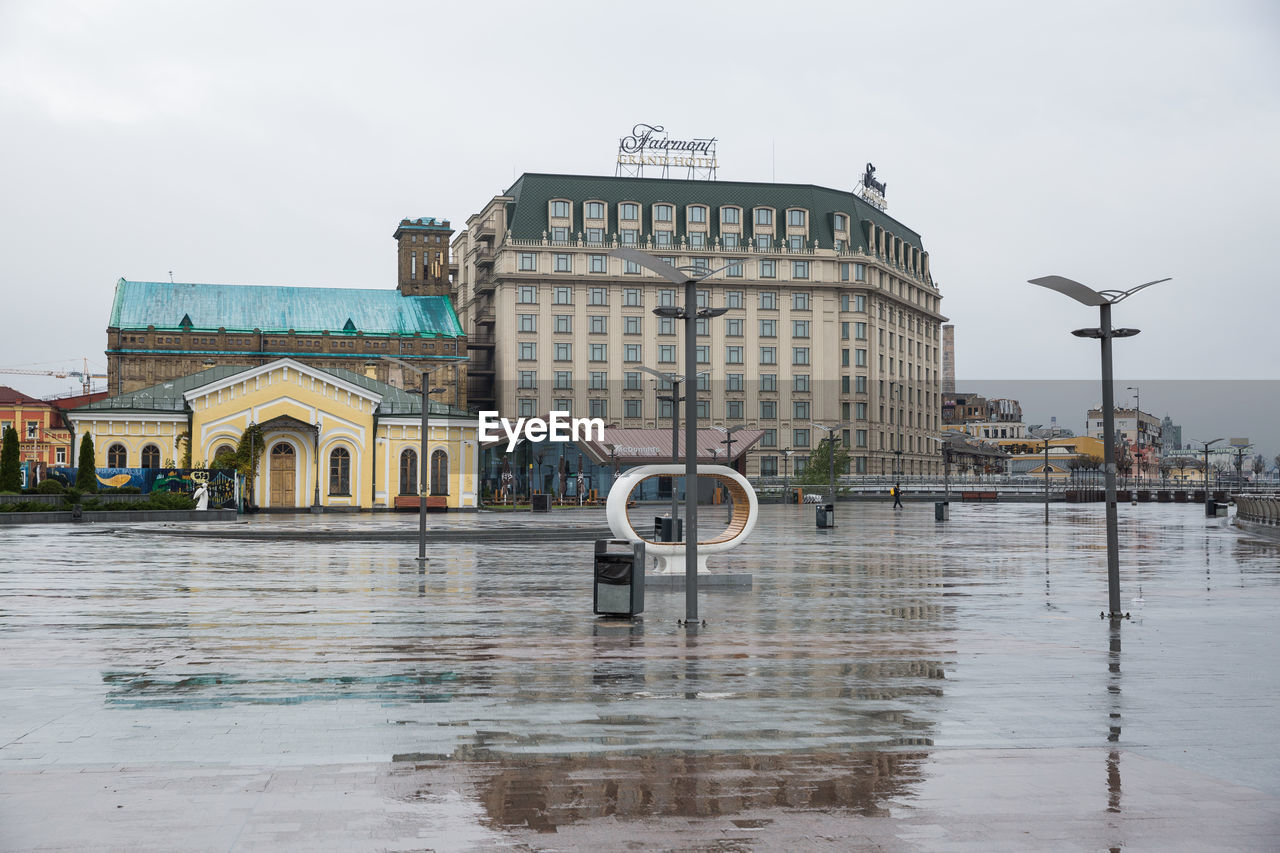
(10, 471)
(71, 495)
(50, 487)
(169, 500)
(87, 473)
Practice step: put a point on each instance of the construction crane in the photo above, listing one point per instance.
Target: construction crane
(86, 378)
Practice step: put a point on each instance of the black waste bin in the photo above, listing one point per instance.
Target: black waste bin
(541, 503)
(619, 578)
(826, 515)
(941, 509)
(666, 529)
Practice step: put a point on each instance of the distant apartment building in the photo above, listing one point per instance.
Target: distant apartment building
(1138, 432)
(832, 315)
(982, 417)
(1171, 434)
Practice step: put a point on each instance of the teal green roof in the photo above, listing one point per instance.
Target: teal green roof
(168, 396)
(528, 212)
(270, 308)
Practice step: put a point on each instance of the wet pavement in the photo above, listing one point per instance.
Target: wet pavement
(892, 684)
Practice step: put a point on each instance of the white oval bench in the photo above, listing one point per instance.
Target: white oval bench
(670, 555)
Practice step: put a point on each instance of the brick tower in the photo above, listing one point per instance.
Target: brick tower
(422, 259)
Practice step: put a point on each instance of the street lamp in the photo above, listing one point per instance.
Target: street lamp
(897, 446)
(1103, 300)
(728, 442)
(423, 374)
(1137, 423)
(1046, 481)
(690, 313)
(1207, 444)
(674, 380)
(831, 452)
(786, 476)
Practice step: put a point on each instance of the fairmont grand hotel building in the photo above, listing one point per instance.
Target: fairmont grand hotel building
(833, 316)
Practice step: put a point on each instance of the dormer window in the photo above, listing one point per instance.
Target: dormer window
(698, 214)
(795, 218)
(764, 216)
(560, 209)
(839, 222)
(595, 210)
(663, 212)
(629, 211)
(730, 215)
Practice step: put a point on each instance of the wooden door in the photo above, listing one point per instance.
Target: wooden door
(284, 471)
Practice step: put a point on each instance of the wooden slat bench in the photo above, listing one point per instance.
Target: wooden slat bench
(435, 503)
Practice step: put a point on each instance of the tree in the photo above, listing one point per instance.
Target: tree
(10, 470)
(1259, 465)
(818, 468)
(87, 470)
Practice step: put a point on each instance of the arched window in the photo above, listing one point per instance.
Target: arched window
(340, 471)
(439, 473)
(150, 456)
(117, 457)
(221, 449)
(409, 472)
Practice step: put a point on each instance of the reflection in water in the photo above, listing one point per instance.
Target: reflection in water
(1113, 736)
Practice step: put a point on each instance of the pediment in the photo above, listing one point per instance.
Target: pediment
(281, 423)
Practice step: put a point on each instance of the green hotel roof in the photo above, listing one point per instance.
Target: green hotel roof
(168, 396)
(270, 308)
(529, 218)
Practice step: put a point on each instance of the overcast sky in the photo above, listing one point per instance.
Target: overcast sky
(280, 143)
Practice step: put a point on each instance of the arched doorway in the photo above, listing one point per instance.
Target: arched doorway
(439, 473)
(409, 472)
(284, 474)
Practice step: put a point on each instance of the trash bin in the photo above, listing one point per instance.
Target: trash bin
(619, 577)
(541, 503)
(666, 529)
(826, 515)
(1213, 509)
(941, 510)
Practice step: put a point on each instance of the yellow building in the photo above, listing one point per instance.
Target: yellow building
(331, 438)
(1066, 455)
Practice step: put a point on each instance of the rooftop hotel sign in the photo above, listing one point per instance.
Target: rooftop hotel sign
(649, 145)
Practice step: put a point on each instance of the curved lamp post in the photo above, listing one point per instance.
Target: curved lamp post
(1207, 445)
(690, 313)
(1103, 300)
(423, 459)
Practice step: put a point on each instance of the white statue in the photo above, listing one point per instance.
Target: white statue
(201, 496)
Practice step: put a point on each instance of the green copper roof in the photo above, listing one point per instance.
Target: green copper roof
(242, 308)
(528, 212)
(168, 396)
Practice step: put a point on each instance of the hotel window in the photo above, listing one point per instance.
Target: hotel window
(860, 331)
(662, 238)
(768, 328)
(598, 380)
(664, 409)
(844, 331)
(528, 262)
(599, 352)
(768, 355)
(697, 240)
(632, 352)
(768, 410)
(733, 299)
(768, 466)
(563, 405)
(860, 437)
(629, 211)
(633, 297)
(860, 357)
(562, 295)
(799, 328)
(800, 269)
(729, 241)
(859, 272)
(630, 268)
(735, 269)
(595, 237)
(799, 355)
(563, 380)
(631, 381)
(701, 266)
(861, 411)
(340, 471)
(666, 297)
(770, 438)
(800, 410)
(663, 212)
(559, 235)
(595, 210)
(844, 297)
(703, 409)
(733, 382)
(795, 218)
(703, 354)
(632, 408)
(733, 327)
(839, 247)
(733, 409)
(730, 215)
(795, 243)
(702, 298)
(528, 295)
(564, 262)
(525, 406)
(666, 354)
(528, 351)
(666, 326)
(768, 300)
(632, 325)
(799, 438)
(528, 379)
(563, 324)
(631, 237)
(564, 352)
(697, 213)
(701, 327)
(704, 381)
(528, 322)
(598, 324)
(838, 222)
(733, 355)
(768, 269)
(598, 296)
(560, 209)
(763, 242)
(764, 216)
(800, 382)
(800, 301)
